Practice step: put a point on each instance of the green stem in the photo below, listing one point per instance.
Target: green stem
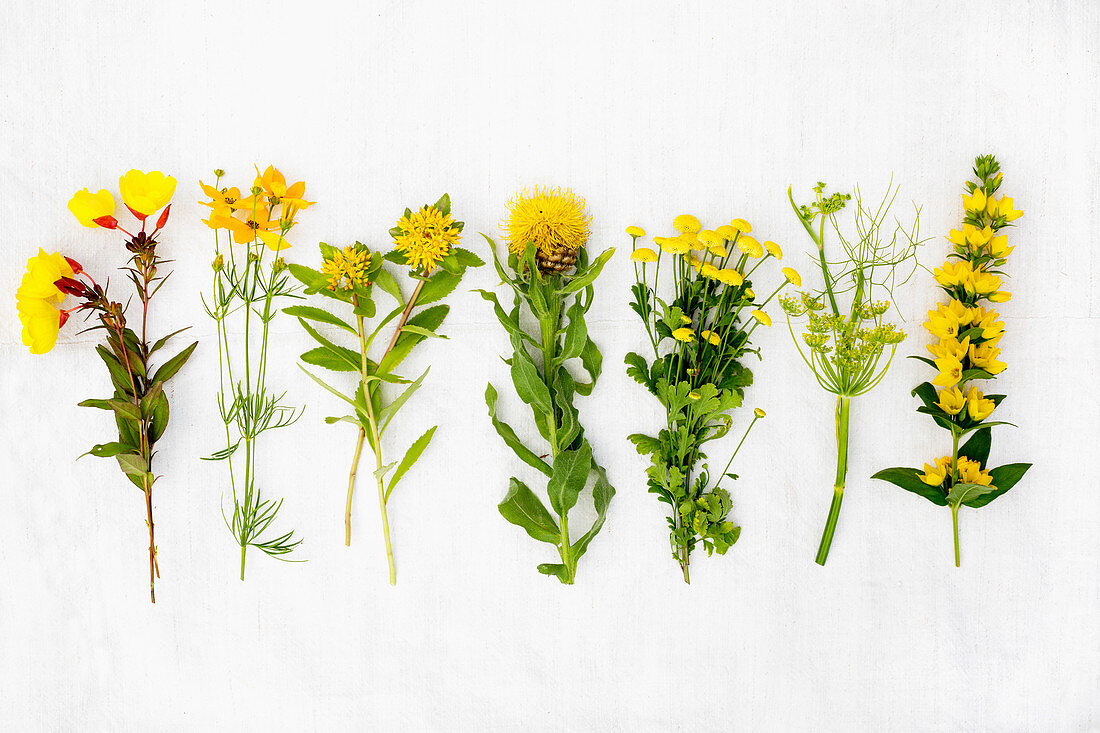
(244, 550)
(549, 328)
(955, 530)
(843, 404)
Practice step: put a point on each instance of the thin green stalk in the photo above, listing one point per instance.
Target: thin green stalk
(843, 404)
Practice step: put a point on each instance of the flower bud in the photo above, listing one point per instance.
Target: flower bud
(253, 257)
(279, 264)
(218, 264)
(218, 173)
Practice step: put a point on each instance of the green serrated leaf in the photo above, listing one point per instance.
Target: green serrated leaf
(411, 455)
(318, 314)
(506, 432)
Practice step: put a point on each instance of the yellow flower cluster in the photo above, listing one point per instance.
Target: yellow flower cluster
(969, 472)
(347, 268)
(425, 237)
(37, 299)
(265, 214)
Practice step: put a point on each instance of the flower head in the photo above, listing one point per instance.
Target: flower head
(977, 406)
(425, 237)
(643, 254)
(935, 475)
(684, 334)
(731, 277)
(773, 249)
(146, 193)
(762, 317)
(553, 219)
(37, 297)
(348, 267)
(686, 224)
(635, 232)
(741, 225)
(759, 413)
(971, 472)
(272, 185)
(749, 246)
(711, 336)
(87, 206)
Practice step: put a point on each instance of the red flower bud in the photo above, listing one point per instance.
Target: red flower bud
(137, 214)
(64, 317)
(77, 267)
(107, 222)
(72, 287)
(164, 216)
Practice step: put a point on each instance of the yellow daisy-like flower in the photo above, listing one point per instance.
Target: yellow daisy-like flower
(728, 276)
(709, 238)
(741, 225)
(347, 268)
(635, 231)
(773, 249)
(552, 219)
(146, 193)
(749, 246)
(792, 276)
(762, 317)
(426, 237)
(684, 334)
(643, 254)
(759, 413)
(708, 270)
(686, 224)
(87, 206)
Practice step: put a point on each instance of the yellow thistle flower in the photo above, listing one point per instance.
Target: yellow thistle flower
(978, 407)
(792, 276)
(935, 475)
(951, 400)
(635, 232)
(762, 317)
(684, 334)
(984, 356)
(950, 371)
(553, 219)
(741, 225)
(426, 237)
(759, 413)
(87, 206)
(146, 193)
(686, 224)
(347, 268)
(731, 277)
(773, 249)
(643, 254)
(749, 246)
(711, 336)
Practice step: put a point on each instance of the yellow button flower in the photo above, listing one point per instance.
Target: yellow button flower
(792, 276)
(935, 475)
(694, 395)
(749, 246)
(643, 254)
(709, 270)
(146, 193)
(711, 336)
(685, 319)
(686, 224)
(728, 276)
(950, 371)
(977, 406)
(773, 249)
(750, 294)
(762, 317)
(635, 231)
(684, 334)
(87, 206)
(741, 225)
(709, 237)
(718, 250)
(759, 413)
(951, 400)
(672, 245)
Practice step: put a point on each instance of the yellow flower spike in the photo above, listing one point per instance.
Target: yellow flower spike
(87, 206)
(643, 254)
(146, 193)
(1001, 296)
(1007, 209)
(635, 231)
(950, 371)
(984, 356)
(684, 334)
(935, 475)
(730, 277)
(762, 317)
(951, 400)
(792, 276)
(43, 270)
(773, 249)
(749, 246)
(711, 336)
(709, 237)
(709, 270)
(726, 232)
(977, 406)
(741, 225)
(686, 224)
(426, 237)
(944, 322)
(759, 413)
(975, 202)
(41, 323)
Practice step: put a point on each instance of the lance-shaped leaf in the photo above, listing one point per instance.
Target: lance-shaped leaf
(522, 508)
(407, 462)
(159, 421)
(964, 493)
(318, 314)
(569, 476)
(556, 569)
(338, 353)
(169, 368)
(592, 361)
(1004, 478)
(977, 447)
(386, 414)
(529, 385)
(909, 479)
(429, 319)
(132, 464)
(602, 492)
(506, 432)
(586, 278)
(107, 450)
(576, 333)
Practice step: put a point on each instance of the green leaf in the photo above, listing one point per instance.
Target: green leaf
(522, 508)
(323, 357)
(437, 287)
(159, 422)
(346, 418)
(313, 280)
(556, 569)
(429, 319)
(602, 492)
(1004, 478)
(318, 314)
(966, 493)
(909, 479)
(106, 450)
(164, 339)
(125, 409)
(506, 432)
(132, 464)
(584, 279)
(592, 361)
(576, 333)
(347, 356)
(386, 281)
(98, 404)
(386, 414)
(169, 368)
(977, 447)
(407, 328)
(119, 376)
(644, 443)
(570, 474)
(529, 385)
(327, 386)
(411, 455)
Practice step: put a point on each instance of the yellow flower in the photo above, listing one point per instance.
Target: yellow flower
(1007, 209)
(935, 475)
(273, 185)
(762, 317)
(223, 202)
(553, 219)
(975, 202)
(1000, 296)
(984, 356)
(41, 323)
(998, 247)
(759, 413)
(749, 246)
(944, 322)
(347, 268)
(426, 237)
(87, 206)
(43, 270)
(971, 472)
(255, 224)
(954, 273)
(635, 231)
(950, 347)
(685, 319)
(977, 406)
(694, 395)
(717, 250)
(982, 283)
(711, 336)
(749, 294)
(726, 232)
(684, 334)
(741, 225)
(695, 261)
(146, 193)
(709, 270)
(686, 224)
(728, 276)
(986, 320)
(950, 371)
(773, 249)
(792, 276)
(709, 238)
(643, 254)
(951, 400)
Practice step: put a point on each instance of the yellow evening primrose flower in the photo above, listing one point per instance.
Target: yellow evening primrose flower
(686, 224)
(773, 249)
(731, 277)
(43, 270)
(792, 276)
(643, 254)
(984, 356)
(635, 231)
(971, 472)
(762, 317)
(711, 336)
(749, 246)
(935, 475)
(975, 202)
(684, 334)
(1001, 296)
(950, 371)
(953, 273)
(146, 193)
(741, 225)
(977, 406)
(555, 220)
(41, 323)
(87, 206)
(426, 237)
(759, 413)
(951, 400)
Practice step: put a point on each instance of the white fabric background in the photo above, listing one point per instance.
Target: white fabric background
(649, 110)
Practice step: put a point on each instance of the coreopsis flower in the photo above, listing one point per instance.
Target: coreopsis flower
(272, 185)
(348, 267)
(146, 193)
(425, 237)
(87, 206)
(246, 225)
(223, 202)
(555, 220)
(686, 224)
(643, 254)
